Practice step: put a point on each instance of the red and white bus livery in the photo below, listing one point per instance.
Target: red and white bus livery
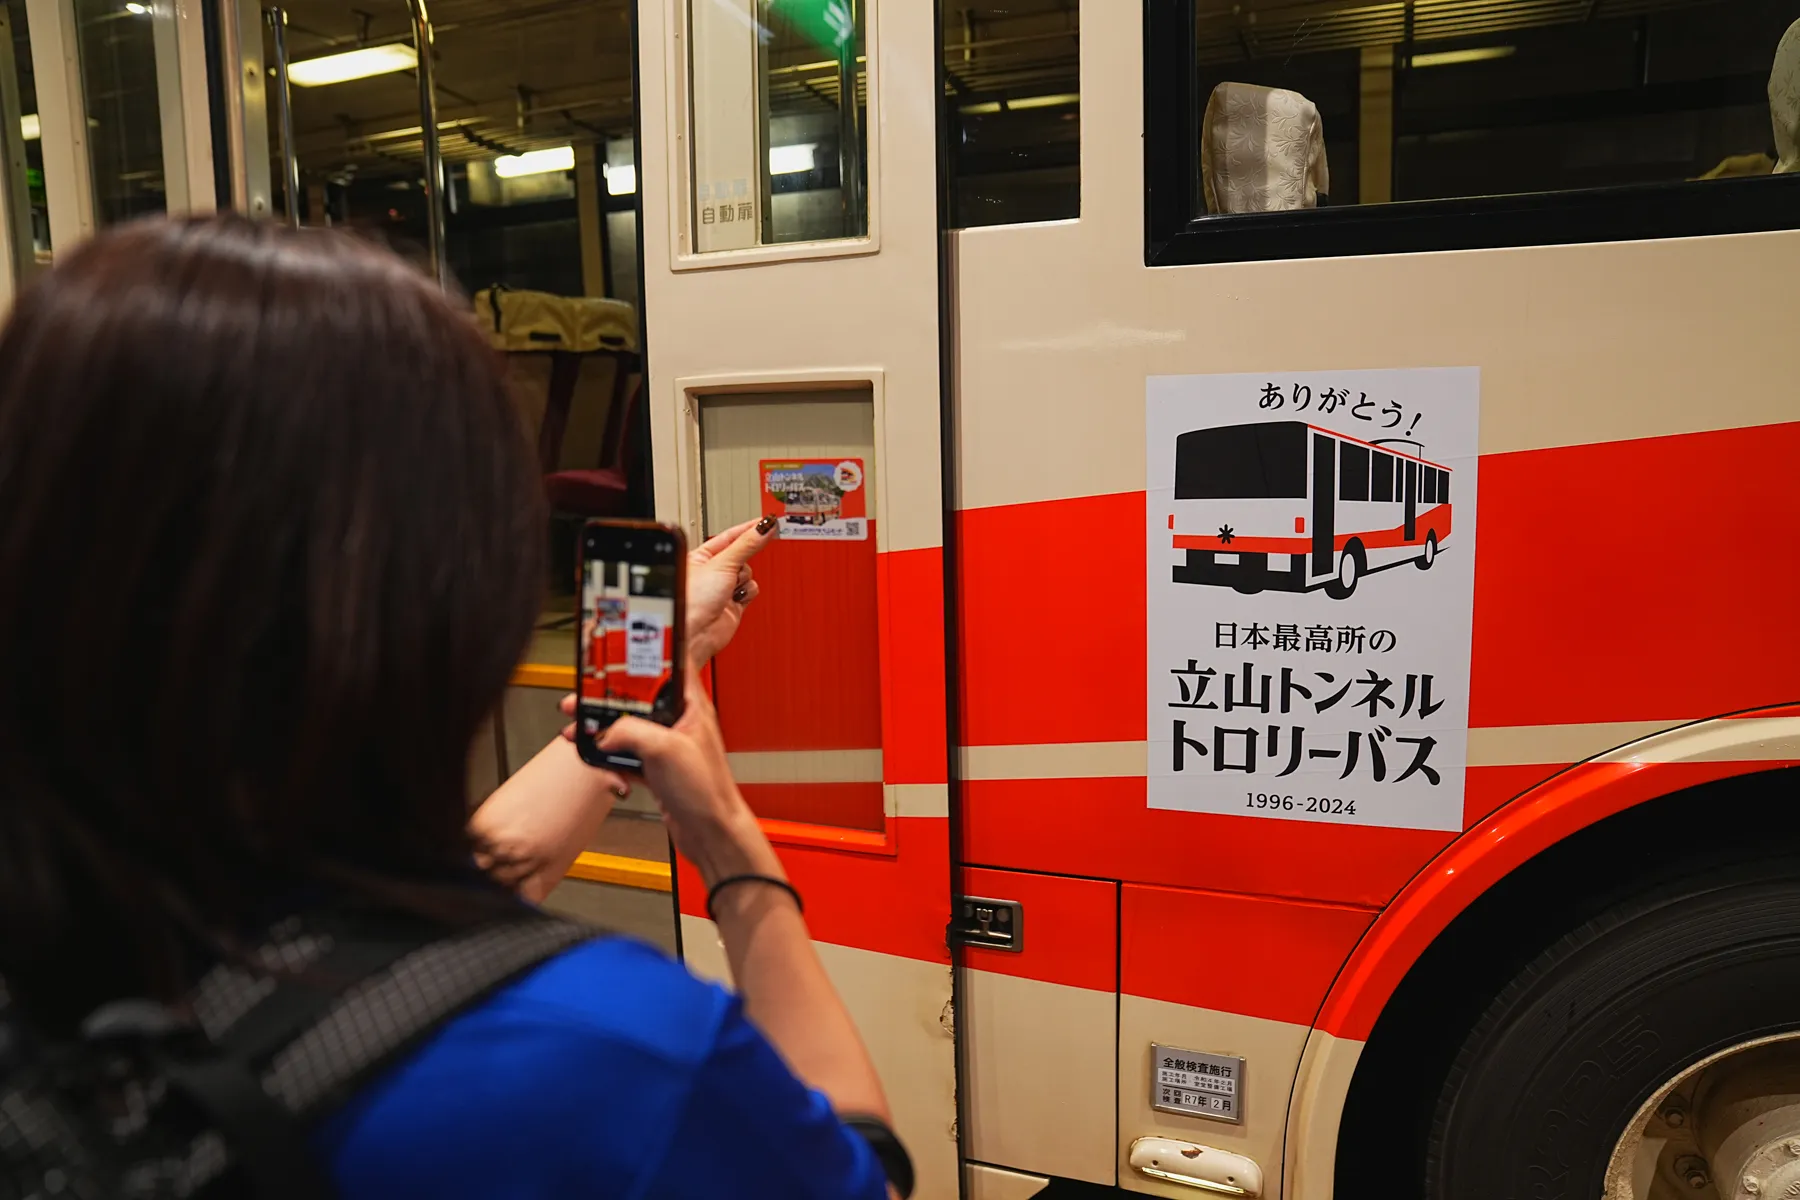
(1291, 506)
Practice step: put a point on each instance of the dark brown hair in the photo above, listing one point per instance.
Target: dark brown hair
(270, 545)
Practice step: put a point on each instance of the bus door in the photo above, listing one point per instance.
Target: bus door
(104, 116)
(789, 246)
(1412, 500)
(1324, 504)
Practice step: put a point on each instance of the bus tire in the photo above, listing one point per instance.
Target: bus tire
(1429, 554)
(1352, 566)
(1543, 1087)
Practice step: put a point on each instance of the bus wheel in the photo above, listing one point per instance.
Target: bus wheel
(1429, 554)
(1652, 1053)
(1350, 569)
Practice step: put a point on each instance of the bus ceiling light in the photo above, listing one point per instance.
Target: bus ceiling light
(1449, 58)
(535, 162)
(620, 180)
(138, 10)
(353, 64)
(791, 160)
(30, 128)
(1059, 100)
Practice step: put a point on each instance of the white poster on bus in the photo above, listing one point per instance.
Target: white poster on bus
(1311, 563)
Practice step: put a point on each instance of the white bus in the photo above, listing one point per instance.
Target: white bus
(1291, 506)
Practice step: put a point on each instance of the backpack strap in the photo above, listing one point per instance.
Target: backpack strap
(387, 1016)
(290, 1051)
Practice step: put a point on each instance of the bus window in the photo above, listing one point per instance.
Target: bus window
(1444, 488)
(1264, 461)
(1472, 112)
(778, 114)
(1353, 472)
(125, 127)
(1012, 87)
(1381, 480)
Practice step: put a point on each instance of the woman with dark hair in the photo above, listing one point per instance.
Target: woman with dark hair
(290, 463)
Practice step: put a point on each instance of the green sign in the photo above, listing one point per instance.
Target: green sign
(831, 24)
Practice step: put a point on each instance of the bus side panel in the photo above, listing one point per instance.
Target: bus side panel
(1038, 1027)
(1230, 975)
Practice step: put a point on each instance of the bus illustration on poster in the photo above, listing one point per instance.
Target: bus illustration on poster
(1310, 600)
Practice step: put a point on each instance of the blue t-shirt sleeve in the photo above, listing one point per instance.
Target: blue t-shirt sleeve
(749, 1128)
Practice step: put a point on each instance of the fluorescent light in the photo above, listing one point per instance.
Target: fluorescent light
(138, 10)
(789, 160)
(620, 180)
(993, 106)
(353, 64)
(535, 162)
(29, 128)
(1447, 58)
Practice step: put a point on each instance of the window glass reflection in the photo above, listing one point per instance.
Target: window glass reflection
(118, 46)
(1348, 103)
(779, 112)
(535, 118)
(1012, 79)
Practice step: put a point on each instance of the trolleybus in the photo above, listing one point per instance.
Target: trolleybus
(1045, 268)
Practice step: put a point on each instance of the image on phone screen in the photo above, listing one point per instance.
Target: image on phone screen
(627, 641)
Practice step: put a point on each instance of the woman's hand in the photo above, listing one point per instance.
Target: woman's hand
(685, 766)
(720, 586)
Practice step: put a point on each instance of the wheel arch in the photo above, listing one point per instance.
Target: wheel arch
(1485, 904)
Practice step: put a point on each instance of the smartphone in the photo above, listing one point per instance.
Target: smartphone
(631, 635)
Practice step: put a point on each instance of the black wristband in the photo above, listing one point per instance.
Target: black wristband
(712, 893)
(889, 1152)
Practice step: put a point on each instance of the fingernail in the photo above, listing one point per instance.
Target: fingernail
(766, 524)
(621, 791)
(740, 594)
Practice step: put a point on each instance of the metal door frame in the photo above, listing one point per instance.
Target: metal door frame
(183, 101)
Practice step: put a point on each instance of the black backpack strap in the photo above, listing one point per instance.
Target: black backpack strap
(385, 1017)
(288, 1052)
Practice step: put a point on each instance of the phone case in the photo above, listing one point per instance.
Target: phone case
(584, 742)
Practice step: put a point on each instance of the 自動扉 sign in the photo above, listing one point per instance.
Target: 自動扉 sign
(1311, 559)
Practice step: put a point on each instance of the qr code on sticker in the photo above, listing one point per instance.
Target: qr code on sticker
(853, 528)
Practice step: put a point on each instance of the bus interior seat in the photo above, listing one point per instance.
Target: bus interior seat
(1261, 150)
(576, 377)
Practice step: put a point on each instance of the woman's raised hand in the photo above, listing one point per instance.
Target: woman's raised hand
(720, 585)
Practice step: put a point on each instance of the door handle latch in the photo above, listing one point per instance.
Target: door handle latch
(992, 924)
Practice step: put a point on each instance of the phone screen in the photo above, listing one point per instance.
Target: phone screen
(629, 644)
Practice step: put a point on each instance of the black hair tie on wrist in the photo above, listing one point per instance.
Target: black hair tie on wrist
(895, 1162)
(712, 893)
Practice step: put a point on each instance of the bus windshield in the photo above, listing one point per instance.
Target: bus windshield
(1264, 461)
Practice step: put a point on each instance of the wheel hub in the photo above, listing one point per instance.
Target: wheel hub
(1727, 1128)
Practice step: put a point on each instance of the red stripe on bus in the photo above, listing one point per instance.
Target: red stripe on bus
(891, 904)
(1273, 959)
(1101, 827)
(1389, 449)
(1616, 581)
(1435, 519)
(1636, 581)
(1026, 574)
(1570, 802)
(913, 740)
(804, 671)
(1780, 710)
(1070, 928)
